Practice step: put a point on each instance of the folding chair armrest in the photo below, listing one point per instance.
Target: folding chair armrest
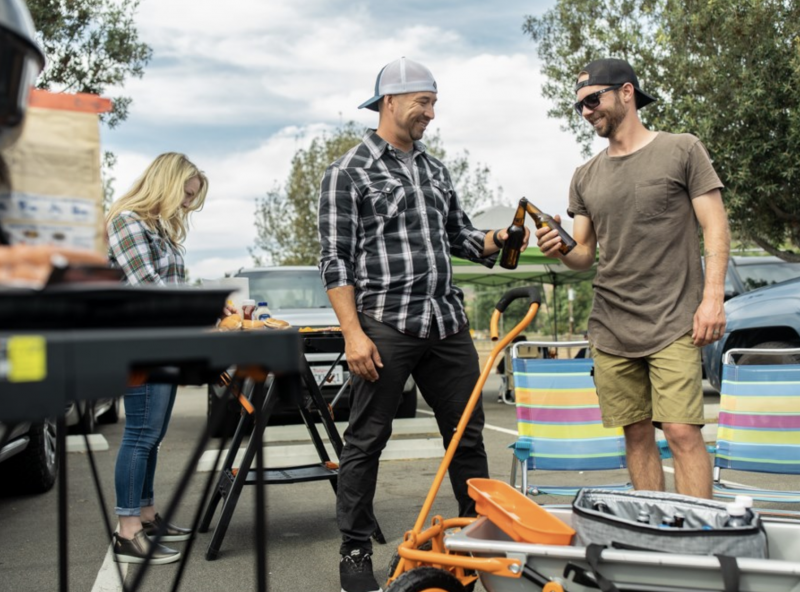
(522, 450)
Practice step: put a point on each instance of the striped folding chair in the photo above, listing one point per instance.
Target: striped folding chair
(558, 421)
(759, 421)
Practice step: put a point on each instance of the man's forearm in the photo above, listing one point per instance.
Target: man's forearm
(343, 301)
(717, 250)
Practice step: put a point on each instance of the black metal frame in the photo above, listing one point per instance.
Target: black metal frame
(88, 365)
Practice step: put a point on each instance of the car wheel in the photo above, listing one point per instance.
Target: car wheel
(34, 470)
(408, 406)
(111, 415)
(755, 359)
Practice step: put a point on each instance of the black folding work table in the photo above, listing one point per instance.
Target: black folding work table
(41, 371)
(232, 479)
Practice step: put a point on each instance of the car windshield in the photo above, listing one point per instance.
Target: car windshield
(287, 288)
(765, 274)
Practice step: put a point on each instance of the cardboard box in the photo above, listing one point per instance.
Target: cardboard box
(56, 193)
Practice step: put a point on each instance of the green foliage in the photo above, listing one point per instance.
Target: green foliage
(286, 218)
(722, 70)
(90, 45)
(481, 302)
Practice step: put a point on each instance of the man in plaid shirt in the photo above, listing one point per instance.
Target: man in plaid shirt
(389, 219)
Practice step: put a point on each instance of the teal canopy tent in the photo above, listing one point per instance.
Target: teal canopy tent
(533, 267)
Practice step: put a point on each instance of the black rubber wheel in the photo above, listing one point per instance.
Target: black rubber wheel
(426, 579)
(427, 546)
(111, 415)
(35, 469)
(756, 359)
(408, 407)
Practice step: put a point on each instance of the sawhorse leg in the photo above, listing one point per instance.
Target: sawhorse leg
(230, 485)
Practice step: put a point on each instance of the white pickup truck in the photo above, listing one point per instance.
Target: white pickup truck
(295, 294)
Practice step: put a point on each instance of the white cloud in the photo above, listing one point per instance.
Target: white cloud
(241, 88)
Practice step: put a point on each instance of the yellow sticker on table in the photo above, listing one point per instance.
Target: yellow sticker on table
(27, 358)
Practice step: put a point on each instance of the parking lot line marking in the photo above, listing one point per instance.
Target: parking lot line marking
(276, 457)
(108, 576)
(97, 442)
(299, 433)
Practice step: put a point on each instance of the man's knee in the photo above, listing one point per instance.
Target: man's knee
(683, 438)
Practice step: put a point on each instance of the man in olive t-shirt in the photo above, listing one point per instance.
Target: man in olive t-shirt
(641, 200)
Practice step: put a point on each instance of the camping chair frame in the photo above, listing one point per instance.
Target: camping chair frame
(759, 424)
(551, 449)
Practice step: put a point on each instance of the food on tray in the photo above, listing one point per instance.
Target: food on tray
(235, 322)
(230, 323)
(318, 329)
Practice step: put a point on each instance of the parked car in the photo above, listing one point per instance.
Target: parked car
(749, 273)
(102, 411)
(28, 459)
(766, 318)
(296, 295)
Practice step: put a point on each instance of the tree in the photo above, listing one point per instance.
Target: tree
(286, 218)
(722, 70)
(91, 45)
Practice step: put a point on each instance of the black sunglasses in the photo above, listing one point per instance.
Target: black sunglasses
(592, 101)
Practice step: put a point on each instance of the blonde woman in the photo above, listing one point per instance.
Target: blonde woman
(146, 230)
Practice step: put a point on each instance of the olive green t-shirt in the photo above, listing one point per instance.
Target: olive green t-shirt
(649, 279)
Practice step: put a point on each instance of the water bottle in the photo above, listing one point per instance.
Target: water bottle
(736, 516)
(747, 502)
(262, 312)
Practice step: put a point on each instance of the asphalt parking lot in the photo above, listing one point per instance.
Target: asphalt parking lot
(302, 537)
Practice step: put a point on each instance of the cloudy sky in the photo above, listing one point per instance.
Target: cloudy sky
(239, 89)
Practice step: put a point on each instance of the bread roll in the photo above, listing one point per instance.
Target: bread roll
(250, 325)
(230, 323)
(272, 323)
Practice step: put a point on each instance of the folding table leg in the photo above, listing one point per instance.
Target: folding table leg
(264, 405)
(241, 429)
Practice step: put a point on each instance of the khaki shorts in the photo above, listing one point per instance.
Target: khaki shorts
(665, 386)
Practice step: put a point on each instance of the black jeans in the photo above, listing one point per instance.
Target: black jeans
(446, 371)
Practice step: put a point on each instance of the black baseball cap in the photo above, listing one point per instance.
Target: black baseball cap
(614, 71)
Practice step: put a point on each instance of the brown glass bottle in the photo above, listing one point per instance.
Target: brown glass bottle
(512, 248)
(543, 220)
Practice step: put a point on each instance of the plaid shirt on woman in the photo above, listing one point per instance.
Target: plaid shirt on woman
(389, 232)
(144, 255)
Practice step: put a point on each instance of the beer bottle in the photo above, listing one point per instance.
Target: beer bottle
(509, 258)
(543, 220)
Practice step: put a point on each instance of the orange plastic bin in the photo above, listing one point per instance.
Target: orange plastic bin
(516, 515)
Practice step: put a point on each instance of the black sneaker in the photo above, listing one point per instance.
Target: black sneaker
(355, 572)
(135, 550)
(171, 532)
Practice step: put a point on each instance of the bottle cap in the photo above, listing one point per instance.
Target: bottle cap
(262, 303)
(735, 509)
(249, 301)
(745, 500)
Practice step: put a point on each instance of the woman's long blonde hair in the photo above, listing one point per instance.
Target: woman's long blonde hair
(157, 196)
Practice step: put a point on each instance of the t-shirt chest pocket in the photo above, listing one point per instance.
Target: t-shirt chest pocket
(652, 197)
(386, 198)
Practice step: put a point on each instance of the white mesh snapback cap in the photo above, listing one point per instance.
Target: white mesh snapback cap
(399, 77)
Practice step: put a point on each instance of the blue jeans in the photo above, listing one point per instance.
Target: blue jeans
(147, 412)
